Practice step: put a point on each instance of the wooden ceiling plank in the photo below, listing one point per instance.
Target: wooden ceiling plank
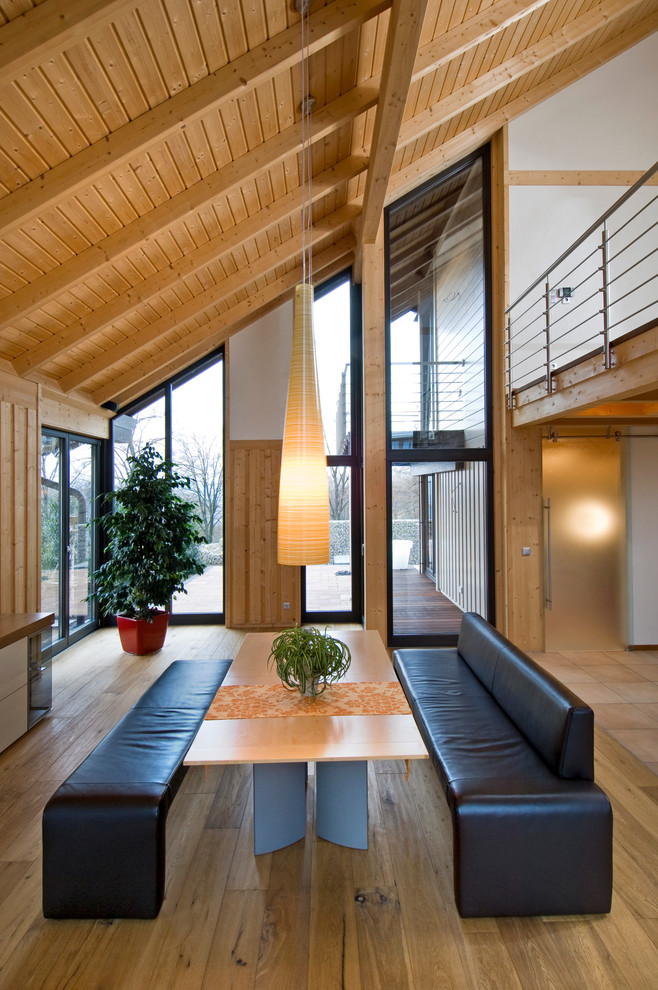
(513, 68)
(473, 137)
(193, 346)
(154, 127)
(213, 250)
(185, 265)
(405, 25)
(45, 30)
(471, 32)
(284, 252)
(147, 227)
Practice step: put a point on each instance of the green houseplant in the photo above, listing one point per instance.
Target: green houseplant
(152, 536)
(307, 660)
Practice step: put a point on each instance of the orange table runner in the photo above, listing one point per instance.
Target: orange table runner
(272, 700)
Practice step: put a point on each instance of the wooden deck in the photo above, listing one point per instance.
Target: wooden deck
(313, 916)
(419, 608)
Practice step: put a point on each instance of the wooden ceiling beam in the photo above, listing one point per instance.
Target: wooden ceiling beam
(472, 32)
(194, 345)
(228, 179)
(512, 69)
(152, 128)
(474, 136)
(216, 248)
(212, 296)
(48, 28)
(404, 27)
(284, 290)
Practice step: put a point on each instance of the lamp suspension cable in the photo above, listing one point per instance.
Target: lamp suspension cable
(303, 518)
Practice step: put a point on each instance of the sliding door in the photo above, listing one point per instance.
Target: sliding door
(69, 472)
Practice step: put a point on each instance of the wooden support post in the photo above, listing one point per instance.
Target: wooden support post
(374, 435)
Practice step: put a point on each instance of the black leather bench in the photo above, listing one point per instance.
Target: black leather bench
(514, 750)
(104, 827)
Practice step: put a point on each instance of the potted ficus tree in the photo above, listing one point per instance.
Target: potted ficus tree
(308, 660)
(152, 536)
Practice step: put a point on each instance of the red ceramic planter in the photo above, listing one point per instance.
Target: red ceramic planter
(140, 636)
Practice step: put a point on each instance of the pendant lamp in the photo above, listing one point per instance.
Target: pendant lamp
(303, 529)
(303, 522)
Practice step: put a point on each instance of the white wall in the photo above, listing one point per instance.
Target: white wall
(607, 120)
(259, 367)
(641, 514)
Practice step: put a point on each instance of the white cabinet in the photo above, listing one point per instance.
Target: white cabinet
(25, 686)
(13, 692)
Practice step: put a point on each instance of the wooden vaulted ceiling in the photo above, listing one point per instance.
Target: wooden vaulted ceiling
(150, 155)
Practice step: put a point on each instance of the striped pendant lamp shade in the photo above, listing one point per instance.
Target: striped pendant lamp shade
(303, 523)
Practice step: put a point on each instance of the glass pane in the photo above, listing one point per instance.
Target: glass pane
(329, 586)
(81, 511)
(51, 544)
(331, 326)
(438, 546)
(437, 291)
(132, 433)
(197, 409)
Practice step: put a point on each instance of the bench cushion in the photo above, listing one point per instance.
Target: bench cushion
(104, 827)
(551, 717)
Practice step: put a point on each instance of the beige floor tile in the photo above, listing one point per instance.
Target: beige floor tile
(650, 707)
(588, 658)
(633, 656)
(637, 691)
(643, 743)
(647, 670)
(622, 716)
(595, 691)
(614, 673)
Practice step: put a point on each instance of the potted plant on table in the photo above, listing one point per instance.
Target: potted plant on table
(307, 660)
(152, 538)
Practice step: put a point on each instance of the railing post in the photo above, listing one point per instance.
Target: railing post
(547, 331)
(508, 361)
(605, 290)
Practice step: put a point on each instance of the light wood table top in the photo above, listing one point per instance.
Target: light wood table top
(302, 738)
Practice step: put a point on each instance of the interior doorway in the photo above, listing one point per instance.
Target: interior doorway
(584, 544)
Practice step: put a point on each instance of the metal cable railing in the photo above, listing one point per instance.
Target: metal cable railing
(600, 289)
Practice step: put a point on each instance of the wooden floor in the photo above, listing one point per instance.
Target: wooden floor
(313, 916)
(418, 606)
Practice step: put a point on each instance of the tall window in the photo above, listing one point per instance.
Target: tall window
(69, 473)
(184, 420)
(332, 592)
(439, 454)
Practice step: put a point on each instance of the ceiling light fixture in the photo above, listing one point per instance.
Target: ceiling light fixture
(303, 520)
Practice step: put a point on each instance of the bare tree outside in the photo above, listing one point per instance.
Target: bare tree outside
(201, 460)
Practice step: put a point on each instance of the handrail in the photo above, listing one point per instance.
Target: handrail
(588, 233)
(609, 278)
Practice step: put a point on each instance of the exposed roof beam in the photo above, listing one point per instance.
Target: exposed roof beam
(273, 296)
(46, 29)
(468, 140)
(230, 239)
(513, 68)
(193, 345)
(405, 25)
(212, 296)
(229, 178)
(472, 32)
(155, 126)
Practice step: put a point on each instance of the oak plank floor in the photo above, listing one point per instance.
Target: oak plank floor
(313, 916)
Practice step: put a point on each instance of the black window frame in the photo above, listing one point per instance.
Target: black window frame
(406, 456)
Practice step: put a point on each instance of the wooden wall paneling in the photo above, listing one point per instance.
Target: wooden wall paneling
(19, 497)
(374, 436)
(518, 506)
(257, 586)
